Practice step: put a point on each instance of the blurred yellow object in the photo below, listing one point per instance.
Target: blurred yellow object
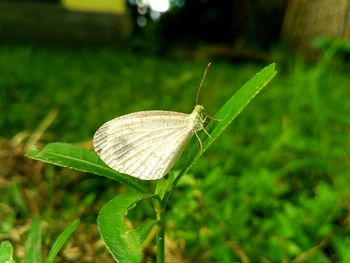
(101, 6)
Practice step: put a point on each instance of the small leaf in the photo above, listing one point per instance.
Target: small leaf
(143, 230)
(6, 252)
(123, 244)
(163, 185)
(33, 243)
(61, 240)
(227, 113)
(81, 159)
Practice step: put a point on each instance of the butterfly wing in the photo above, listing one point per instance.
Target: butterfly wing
(143, 144)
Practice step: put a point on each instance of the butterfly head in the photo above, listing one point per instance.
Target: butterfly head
(199, 108)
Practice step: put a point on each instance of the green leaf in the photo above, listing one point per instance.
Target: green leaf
(227, 113)
(163, 185)
(61, 240)
(143, 230)
(6, 252)
(33, 243)
(235, 105)
(123, 244)
(81, 159)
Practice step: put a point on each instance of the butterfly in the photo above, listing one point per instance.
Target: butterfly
(147, 144)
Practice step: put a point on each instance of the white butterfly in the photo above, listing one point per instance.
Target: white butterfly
(146, 144)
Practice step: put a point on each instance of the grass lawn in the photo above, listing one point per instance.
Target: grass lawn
(273, 188)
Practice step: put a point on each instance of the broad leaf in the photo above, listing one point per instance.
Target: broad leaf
(227, 113)
(61, 240)
(123, 244)
(81, 159)
(33, 243)
(6, 252)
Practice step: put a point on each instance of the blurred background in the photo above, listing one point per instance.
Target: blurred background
(273, 188)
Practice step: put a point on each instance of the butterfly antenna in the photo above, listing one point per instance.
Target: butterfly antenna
(201, 84)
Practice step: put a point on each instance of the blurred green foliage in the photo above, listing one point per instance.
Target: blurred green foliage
(273, 188)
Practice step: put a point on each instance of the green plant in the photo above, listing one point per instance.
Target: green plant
(126, 245)
(6, 252)
(33, 244)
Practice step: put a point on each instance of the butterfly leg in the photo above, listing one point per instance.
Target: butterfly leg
(200, 142)
(207, 133)
(212, 118)
(202, 127)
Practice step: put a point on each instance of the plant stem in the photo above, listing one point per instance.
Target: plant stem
(160, 211)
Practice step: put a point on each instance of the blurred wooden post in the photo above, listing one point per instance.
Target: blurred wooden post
(307, 19)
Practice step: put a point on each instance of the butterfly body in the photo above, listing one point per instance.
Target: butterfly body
(146, 144)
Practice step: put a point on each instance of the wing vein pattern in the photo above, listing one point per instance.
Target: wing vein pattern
(143, 144)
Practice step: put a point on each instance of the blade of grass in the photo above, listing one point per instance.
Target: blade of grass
(61, 240)
(33, 243)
